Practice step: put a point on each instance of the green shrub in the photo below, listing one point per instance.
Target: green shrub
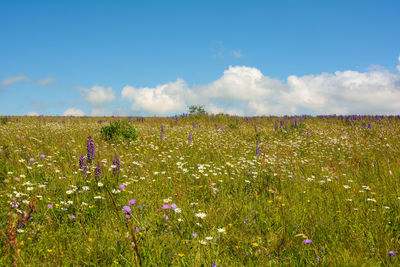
(119, 131)
(3, 120)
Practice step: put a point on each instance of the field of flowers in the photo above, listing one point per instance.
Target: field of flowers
(206, 190)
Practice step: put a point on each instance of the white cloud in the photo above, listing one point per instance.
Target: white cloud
(398, 66)
(46, 81)
(237, 53)
(98, 95)
(74, 112)
(32, 113)
(15, 79)
(163, 99)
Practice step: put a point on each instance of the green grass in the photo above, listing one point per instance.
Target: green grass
(339, 187)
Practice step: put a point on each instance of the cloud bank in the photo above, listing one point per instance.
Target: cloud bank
(74, 112)
(246, 90)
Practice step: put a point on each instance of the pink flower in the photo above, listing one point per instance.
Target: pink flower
(132, 202)
(166, 207)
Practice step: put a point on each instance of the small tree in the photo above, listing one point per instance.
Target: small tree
(197, 109)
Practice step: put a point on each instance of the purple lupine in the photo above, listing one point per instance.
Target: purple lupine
(255, 127)
(90, 149)
(116, 163)
(190, 138)
(97, 171)
(194, 125)
(257, 149)
(162, 127)
(82, 164)
(276, 126)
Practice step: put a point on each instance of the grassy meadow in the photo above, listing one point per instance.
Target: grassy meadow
(205, 190)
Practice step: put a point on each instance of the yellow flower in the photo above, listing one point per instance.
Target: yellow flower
(283, 204)
(181, 254)
(49, 250)
(308, 200)
(255, 245)
(90, 240)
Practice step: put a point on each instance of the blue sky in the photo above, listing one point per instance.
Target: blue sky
(238, 57)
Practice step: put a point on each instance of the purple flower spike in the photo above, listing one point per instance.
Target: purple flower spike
(116, 163)
(126, 209)
(307, 241)
(132, 202)
(166, 207)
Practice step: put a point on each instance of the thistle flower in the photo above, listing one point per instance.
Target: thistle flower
(116, 163)
(97, 171)
(126, 209)
(90, 149)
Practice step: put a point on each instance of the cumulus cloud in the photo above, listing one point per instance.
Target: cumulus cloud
(15, 79)
(98, 95)
(163, 99)
(32, 113)
(74, 112)
(45, 81)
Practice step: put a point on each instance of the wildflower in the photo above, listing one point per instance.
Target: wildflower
(72, 217)
(307, 241)
(392, 253)
(90, 149)
(190, 138)
(82, 164)
(177, 210)
(42, 156)
(121, 187)
(116, 163)
(194, 235)
(99, 184)
(173, 206)
(132, 202)
(166, 207)
(255, 244)
(201, 215)
(221, 230)
(50, 206)
(97, 171)
(31, 159)
(126, 209)
(209, 238)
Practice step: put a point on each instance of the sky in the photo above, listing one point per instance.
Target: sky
(156, 58)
